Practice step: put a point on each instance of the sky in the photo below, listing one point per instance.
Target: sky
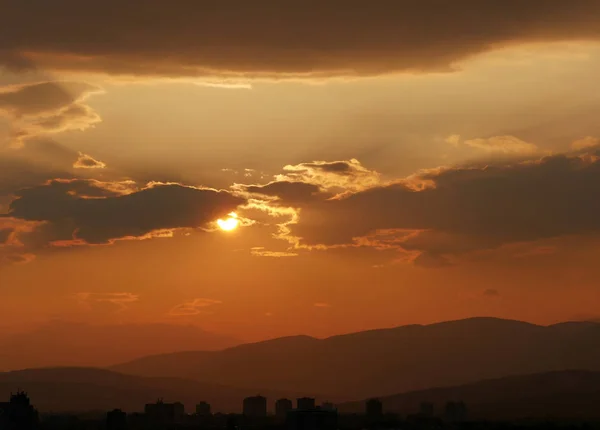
(372, 165)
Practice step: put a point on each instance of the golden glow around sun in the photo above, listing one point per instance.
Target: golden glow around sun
(230, 223)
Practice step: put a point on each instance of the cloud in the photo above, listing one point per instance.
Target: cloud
(16, 258)
(86, 211)
(272, 38)
(33, 164)
(537, 251)
(120, 301)
(193, 307)
(260, 251)
(585, 143)
(285, 191)
(429, 260)
(491, 292)
(499, 144)
(321, 305)
(461, 209)
(46, 108)
(5, 235)
(12, 249)
(453, 139)
(88, 162)
(336, 176)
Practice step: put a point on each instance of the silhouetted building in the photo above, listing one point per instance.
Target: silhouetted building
(426, 409)
(161, 412)
(255, 406)
(328, 406)
(455, 411)
(305, 403)
(116, 420)
(231, 422)
(18, 413)
(374, 409)
(282, 407)
(203, 409)
(312, 419)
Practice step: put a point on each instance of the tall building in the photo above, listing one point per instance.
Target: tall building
(455, 411)
(374, 409)
(305, 403)
(255, 406)
(203, 409)
(116, 420)
(426, 409)
(282, 407)
(328, 406)
(161, 412)
(312, 419)
(18, 413)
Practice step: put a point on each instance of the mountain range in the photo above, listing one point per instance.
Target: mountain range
(61, 343)
(389, 361)
(558, 395)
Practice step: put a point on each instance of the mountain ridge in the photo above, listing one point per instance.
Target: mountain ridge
(388, 361)
(566, 394)
(64, 343)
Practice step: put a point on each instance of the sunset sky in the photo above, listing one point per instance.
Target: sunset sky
(389, 162)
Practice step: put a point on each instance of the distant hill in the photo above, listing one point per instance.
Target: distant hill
(565, 394)
(391, 360)
(72, 389)
(61, 343)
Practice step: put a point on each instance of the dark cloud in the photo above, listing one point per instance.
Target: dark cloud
(268, 37)
(491, 292)
(456, 210)
(431, 260)
(43, 97)
(31, 166)
(93, 212)
(16, 258)
(287, 192)
(332, 176)
(47, 107)
(339, 167)
(5, 235)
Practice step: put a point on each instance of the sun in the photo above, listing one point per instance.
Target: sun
(230, 223)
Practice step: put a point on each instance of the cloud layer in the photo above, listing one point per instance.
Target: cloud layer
(46, 108)
(454, 210)
(81, 211)
(270, 37)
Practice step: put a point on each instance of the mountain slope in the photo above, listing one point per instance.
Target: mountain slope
(389, 361)
(61, 343)
(70, 389)
(564, 394)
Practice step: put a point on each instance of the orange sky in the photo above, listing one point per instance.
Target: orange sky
(378, 181)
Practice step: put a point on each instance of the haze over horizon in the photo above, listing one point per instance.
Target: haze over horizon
(251, 170)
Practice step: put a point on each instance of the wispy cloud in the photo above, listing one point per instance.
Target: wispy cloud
(193, 307)
(121, 300)
(260, 251)
(491, 292)
(321, 305)
(507, 145)
(88, 162)
(46, 108)
(585, 143)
